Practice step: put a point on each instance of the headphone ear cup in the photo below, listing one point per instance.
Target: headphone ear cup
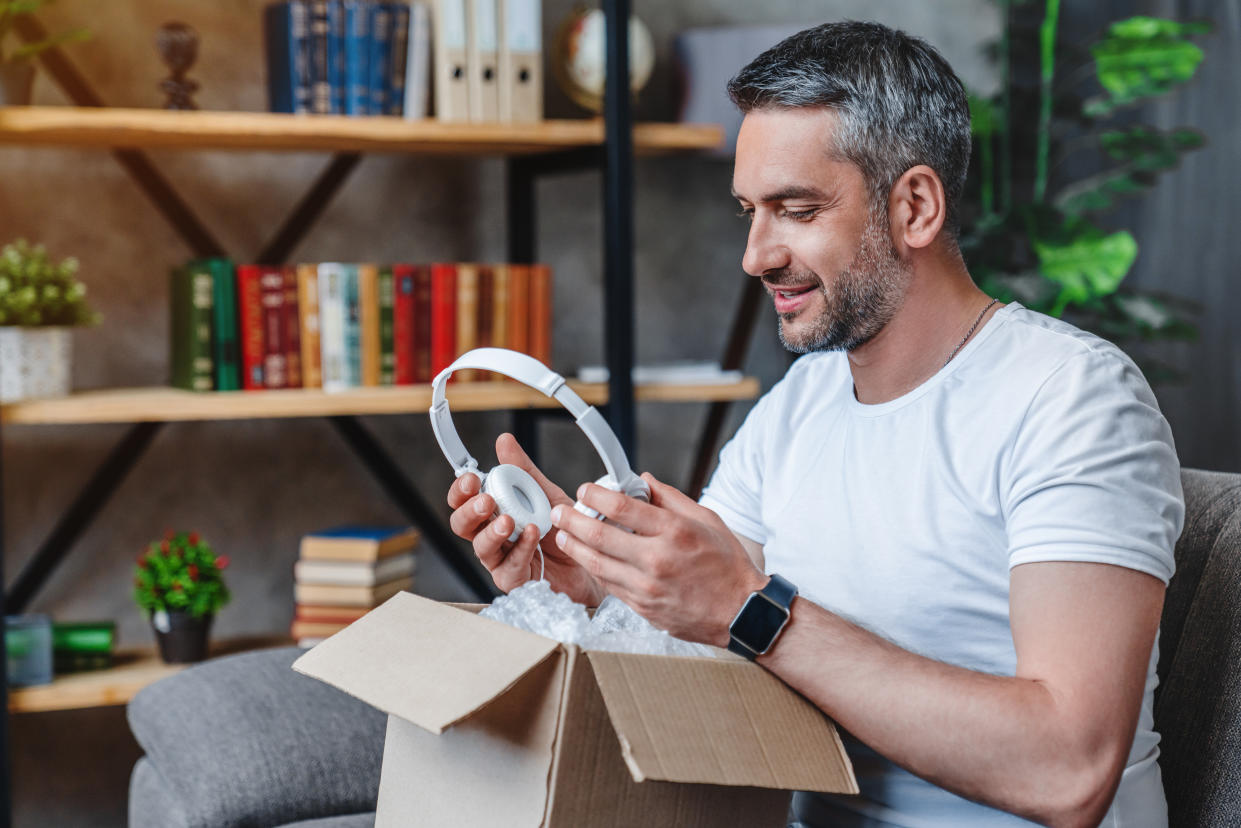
(519, 496)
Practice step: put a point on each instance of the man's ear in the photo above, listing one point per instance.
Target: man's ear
(917, 208)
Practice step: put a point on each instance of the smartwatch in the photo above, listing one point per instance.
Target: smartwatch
(761, 619)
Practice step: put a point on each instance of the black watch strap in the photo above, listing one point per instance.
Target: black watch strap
(761, 620)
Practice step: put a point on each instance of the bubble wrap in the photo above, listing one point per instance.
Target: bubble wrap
(534, 607)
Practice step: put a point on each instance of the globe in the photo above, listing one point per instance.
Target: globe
(579, 62)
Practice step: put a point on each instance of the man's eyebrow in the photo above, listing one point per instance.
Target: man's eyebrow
(793, 192)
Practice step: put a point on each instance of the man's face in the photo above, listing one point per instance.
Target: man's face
(823, 253)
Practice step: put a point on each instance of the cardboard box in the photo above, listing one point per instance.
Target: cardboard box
(491, 725)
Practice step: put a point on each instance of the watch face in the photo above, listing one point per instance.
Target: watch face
(758, 623)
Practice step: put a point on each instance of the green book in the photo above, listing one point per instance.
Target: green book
(224, 316)
(92, 637)
(387, 327)
(193, 299)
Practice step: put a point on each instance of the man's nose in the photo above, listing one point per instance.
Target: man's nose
(764, 251)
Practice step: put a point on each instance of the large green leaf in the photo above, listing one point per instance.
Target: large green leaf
(1084, 262)
(984, 117)
(1142, 57)
(1143, 152)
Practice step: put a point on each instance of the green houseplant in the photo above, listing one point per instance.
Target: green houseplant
(179, 586)
(1058, 148)
(40, 301)
(16, 64)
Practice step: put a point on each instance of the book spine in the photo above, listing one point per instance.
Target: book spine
(387, 327)
(519, 307)
(486, 314)
(227, 363)
(357, 54)
(286, 34)
(381, 55)
(368, 311)
(193, 366)
(292, 329)
(467, 316)
(179, 332)
(332, 314)
(336, 53)
(422, 324)
(398, 52)
(320, 39)
(499, 306)
(540, 336)
(308, 318)
(274, 363)
(443, 317)
(250, 319)
(403, 323)
(418, 63)
(353, 328)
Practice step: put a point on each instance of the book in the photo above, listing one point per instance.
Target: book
(224, 349)
(350, 596)
(519, 307)
(452, 97)
(74, 662)
(292, 329)
(354, 573)
(368, 321)
(387, 325)
(443, 317)
(308, 324)
(333, 310)
(485, 336)
(467, 316)
(540, 312)
(520, 62)
(286, 33)
(499, 307)
(313, 630)
(394, 93)
(275, 352)
(482, 55)
(192, 300)
(321, 100)
(353, 327)
(422, 324)
(328, 613)
(357, 543)
(356, 50)
(336, 54)
(380, 56)
(250, 325)
(418, 63)
(403, 323)
(83, 636)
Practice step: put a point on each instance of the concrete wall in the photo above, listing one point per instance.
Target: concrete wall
(253, 488)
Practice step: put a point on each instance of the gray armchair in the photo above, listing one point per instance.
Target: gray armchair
(245, 741)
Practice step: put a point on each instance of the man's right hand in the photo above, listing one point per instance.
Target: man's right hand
(513, 564)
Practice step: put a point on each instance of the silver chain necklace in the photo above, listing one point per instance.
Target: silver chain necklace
(968, 334)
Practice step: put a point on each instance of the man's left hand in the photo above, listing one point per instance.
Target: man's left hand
(681, 568)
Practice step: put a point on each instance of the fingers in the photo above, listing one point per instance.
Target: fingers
(470, 515)
(509, 451)
(462, 489)
(612, 540)
(670, 497)
(643, 518)
(514, 569)
(615, 574)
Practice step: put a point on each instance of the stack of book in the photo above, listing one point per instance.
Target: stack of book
(343, 573)
(337, 326)
(348, 57)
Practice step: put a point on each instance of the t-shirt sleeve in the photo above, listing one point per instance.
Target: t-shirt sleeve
(1093, 475)
(735, 487)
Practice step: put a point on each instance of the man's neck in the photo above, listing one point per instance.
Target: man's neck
(939, 308)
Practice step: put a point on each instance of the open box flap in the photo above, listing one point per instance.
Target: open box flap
(425, 662)
(720, 722)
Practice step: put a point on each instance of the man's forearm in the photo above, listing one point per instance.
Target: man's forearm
(1004, 741)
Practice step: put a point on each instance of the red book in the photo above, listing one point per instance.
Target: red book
(403, 322)
(540, 336)
(275, 350)
(292, 329)
(519, 307)
(443, 316)
(422, 324)
(250, 326)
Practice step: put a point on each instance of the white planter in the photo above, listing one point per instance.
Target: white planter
(34, 362)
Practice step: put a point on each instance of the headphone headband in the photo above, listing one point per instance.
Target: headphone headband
(528, 371)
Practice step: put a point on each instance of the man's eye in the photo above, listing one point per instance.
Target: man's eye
(746, 213)
(800, 215)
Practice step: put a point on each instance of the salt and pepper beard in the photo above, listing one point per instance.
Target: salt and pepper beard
(860, 301)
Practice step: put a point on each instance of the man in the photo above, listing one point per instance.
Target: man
(977, 503)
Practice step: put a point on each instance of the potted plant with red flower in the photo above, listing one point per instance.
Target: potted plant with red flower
(179, 585)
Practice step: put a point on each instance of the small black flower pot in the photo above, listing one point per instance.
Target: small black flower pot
(182, 637)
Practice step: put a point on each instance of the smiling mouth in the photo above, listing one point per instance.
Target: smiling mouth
(790, 292)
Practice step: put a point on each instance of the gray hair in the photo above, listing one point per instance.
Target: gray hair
(898, 102)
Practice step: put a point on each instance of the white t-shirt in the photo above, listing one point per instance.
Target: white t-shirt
(1038, 442)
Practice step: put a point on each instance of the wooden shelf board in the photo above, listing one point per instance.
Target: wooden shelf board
(158, 404)
(69, 126)
(132, 670)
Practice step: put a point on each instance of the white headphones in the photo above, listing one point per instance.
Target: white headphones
(516, 493)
